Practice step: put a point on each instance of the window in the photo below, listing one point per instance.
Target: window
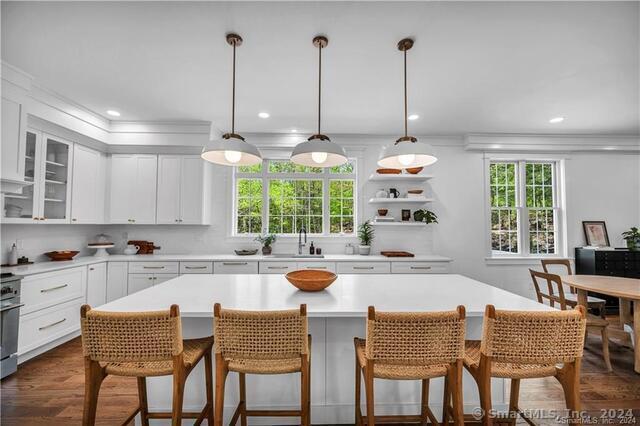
(524, 207)
(320, 200)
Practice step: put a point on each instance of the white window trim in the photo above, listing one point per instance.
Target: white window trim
(524, 256)
(325, 176)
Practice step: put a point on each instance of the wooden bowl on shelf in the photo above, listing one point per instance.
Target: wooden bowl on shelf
(415, 191)
(414, 170)
(383, 212)
(61, 255)
(311, 279)
(388, 171)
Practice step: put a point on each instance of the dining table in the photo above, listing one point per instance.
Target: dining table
(627, 290)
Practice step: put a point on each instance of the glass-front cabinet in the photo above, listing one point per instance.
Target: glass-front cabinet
(48, 161)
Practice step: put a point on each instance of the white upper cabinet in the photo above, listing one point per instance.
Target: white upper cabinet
(88, 189)
(133, 189)
(48, 162)
(13, 119)
(183, 190)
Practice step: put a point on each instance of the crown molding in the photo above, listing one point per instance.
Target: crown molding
(551, 143)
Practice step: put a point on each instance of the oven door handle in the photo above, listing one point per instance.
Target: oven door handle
(12, 306)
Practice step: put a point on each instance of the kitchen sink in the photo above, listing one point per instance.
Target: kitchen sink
(298, 256)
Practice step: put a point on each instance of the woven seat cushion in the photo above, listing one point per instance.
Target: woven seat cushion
(399, 371)
(265, 366)
(504, 369)
(194, 349)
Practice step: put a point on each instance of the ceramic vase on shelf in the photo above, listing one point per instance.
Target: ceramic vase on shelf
(382, 193)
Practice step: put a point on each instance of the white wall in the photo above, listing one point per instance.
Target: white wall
(599, 186)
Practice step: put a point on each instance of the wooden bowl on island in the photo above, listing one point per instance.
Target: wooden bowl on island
(311, 279)
(61, 255)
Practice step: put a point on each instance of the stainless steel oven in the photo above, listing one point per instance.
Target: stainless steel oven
(9, 322)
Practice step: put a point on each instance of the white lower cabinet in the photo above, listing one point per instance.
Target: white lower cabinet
(322, 266)
(363, 268)
(52, 288)
(117, 280)
(196, 267)
(97, 284)
(153, 267)
(419, 267)
(41, 327)
(277, 267)
(139, 282)
(235, 267)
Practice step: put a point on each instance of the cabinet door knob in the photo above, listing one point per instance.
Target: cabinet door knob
(74, 219)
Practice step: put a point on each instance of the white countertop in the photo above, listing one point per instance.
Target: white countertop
(348, 296)
(38, 268)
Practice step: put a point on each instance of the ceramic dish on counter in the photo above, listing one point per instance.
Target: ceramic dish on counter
(246, 252)
(60, 255)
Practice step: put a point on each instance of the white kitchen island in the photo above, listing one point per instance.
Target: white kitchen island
(336, 316)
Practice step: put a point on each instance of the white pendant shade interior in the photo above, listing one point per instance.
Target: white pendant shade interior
(232, 150)
(318, 150)
(407, 152)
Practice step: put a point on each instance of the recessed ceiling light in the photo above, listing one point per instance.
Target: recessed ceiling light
(113, 113)
(413, 117)
(555, 120)
(294, 130)
(263, 114)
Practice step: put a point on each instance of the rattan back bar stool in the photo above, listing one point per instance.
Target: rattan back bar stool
(142, 344)
(554, 284)
(412, 346)
(262, 342)
(527, 344)
(572, 297)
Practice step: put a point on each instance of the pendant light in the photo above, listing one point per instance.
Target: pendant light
(407, 151)
(232, 150)
(318, 150)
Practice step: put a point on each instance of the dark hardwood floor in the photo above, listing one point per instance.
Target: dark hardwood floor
(48, 390)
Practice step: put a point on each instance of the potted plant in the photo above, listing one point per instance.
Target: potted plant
(632, 237)
(266, 240)
(365, 234)
(426, 216)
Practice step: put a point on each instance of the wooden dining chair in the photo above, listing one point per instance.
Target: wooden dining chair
(520, 345)
(412, 346)
(555, 294)
(262, 342)
(141, 345)
(572, 297)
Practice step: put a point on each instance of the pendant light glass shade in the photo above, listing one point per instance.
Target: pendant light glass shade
(232, 150)
(318, 150)
(407, 152)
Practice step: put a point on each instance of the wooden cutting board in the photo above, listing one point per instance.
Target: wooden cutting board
(397, 254)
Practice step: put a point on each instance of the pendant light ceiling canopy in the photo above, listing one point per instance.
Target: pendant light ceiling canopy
(232, 150)
(407, 151)
(318, 150)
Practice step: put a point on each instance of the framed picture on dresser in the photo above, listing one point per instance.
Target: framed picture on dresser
(595, 233)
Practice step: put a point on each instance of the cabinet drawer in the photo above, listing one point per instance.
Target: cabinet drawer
(196, 267)
(153, 267)
(364, 268)
(44, 290)
(39, 328)
(419, 268)
(235, 267)
(322, 266)
(277, 267)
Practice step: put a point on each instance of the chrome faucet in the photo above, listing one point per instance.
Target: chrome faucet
(300, 243)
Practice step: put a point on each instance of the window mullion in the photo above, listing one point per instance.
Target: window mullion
(523, 217)
(265, 196)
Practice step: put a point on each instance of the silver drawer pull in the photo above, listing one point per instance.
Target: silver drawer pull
(277, 267)
(52, 324)
(316, 267)
(363, 267)
(46, 290)
(195, 267)
(153, 267)
(421, 267)
(234, 263)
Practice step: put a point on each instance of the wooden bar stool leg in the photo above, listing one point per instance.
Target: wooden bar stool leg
(424, 406)
(605, 348)
(358, 416)
(513, 399)
(455, 387)
(484, 388)
(208, 372)
(221, 376)
(569, 378)
(368, 388)
(179, 379)
(243, 398)
(142, 397)
(446, 401)
(93, 377)
(304, 391)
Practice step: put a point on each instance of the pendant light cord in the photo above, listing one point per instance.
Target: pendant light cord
(233, 93)
(405, 93)
(319, 83)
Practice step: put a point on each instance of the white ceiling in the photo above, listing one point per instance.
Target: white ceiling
(475, 67)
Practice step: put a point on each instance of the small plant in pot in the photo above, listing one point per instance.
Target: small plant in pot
(266, 240)
(426, 216)
(632, 237)
(365, 235)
